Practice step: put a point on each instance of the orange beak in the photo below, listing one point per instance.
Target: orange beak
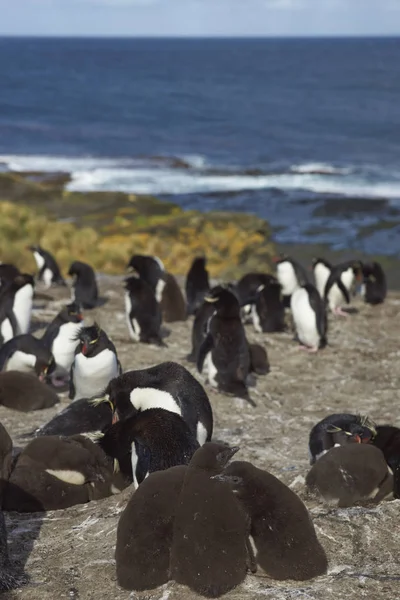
(358, 439)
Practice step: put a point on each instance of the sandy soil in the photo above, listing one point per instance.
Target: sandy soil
(70, 553)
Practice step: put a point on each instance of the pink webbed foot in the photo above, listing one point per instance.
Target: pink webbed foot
(340, 312)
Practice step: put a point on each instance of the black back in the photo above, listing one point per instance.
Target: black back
(148, 269)
(322, 435)
(71, 313)
(197, 285)
(375, 283)
(170, 377)
(270, 307)
(145, 309)
(199, 329)
(249, 284)
(8, 273)
(85, 285)
(319, 307)
(49, 263)
(162, 440)
(30, 345)
(79, 417)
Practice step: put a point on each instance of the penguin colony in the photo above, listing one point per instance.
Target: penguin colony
(194, 516)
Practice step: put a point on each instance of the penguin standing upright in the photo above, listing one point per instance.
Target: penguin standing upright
(209, 550)
(143, 312)
(167, 385)
(291, 275)
(338, 429)
(374, 283)
(246, 289)
(49, 271)
(197, 285)
(152, 440)
(9, 577)
(339, 285)
(16, 299)
(225, 348)
(309, 316)
(27, 354)
(268, 309)
(281, 527)
(95, 364)
(173, 305)
(199, 329)
(62, 336)
(151, 270)
(85, 285)
(322, 269)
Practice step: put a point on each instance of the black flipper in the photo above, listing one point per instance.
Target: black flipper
(72, 390)
(319, 308)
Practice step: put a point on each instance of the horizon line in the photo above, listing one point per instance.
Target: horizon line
(201, 36)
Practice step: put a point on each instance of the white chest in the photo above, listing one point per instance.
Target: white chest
(47, 277)
(159, 289)
(20, 361)
(92, 374)
(39, 260)
(287, 278)
(23, 308)
(305, 319)
(211, 370)
(256, 319)
(133, 325)
(65, 343)
(347, 278)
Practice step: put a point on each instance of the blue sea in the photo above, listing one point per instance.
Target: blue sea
(302, 132)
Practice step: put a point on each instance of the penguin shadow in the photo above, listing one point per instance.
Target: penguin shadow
(351, 310)
(164, 332)
(22, 531)
(101, 301)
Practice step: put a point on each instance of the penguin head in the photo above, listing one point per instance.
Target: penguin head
(117, 393)
(320, 261)
(199, 263)
(22, 280)
(88, 337)
(280, 258)
(149, 268)
(357, 267)
(212, 457)
(361, 432)
(76, 268)
(72, 313)
(44, 366)
(224, 300)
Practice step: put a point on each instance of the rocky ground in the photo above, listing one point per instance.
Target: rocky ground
(70, 553)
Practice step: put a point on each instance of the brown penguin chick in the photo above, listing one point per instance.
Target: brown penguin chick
(209, 550)
(55, 472)
(9, 578)
(259, 363)
(144, 533)
(25, 392)
(351, 474)
(281, 527)
(173, 305)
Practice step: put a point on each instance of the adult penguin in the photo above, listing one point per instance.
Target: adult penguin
(84, 285)
(197, 285)
(282, 531)
(9, 576)
(149, 441)
(210, 552)
(151, 270)
(199, 329)
(62, 336)
(268, 309)
(167, 385)
(247, 287)
(143, 312)
(225, 348)
(291, 275)
(49, 271)
(95, 364)
(309, 316)
(16, 299)
(27, 354)
(374, 283)
(322, 269)
(339, 285)
(351, 474)
(338, 429)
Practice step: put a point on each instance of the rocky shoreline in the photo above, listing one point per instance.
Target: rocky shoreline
(70, 553)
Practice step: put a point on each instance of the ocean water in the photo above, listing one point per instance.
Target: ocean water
(303, 132)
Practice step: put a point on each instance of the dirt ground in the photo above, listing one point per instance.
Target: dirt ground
(70, 553)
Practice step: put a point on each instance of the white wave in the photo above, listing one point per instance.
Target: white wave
(319, 167)
(196, 161)
(172, 181)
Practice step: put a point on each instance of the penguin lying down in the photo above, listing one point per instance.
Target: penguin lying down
(24, 392)
(158, 540)
(55, 472)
